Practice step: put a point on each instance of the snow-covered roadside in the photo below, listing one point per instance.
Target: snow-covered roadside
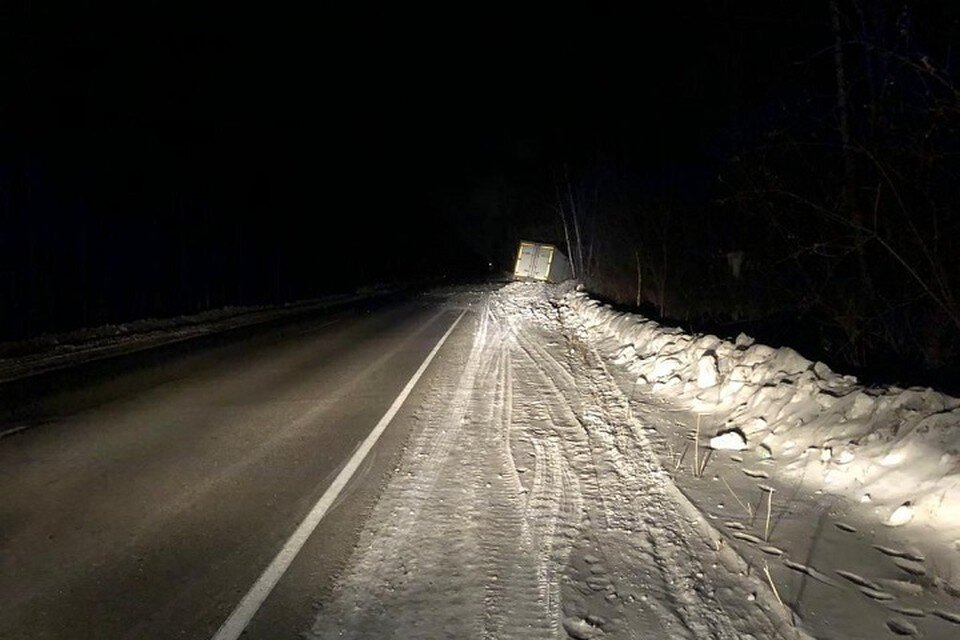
(50, 352)
(530, 504)
(863, 485)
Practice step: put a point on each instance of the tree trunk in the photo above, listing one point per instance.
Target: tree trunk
(639, 279)
(849, 198)
(566, 233)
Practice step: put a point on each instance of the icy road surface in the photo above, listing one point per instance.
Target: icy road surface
(530, 504)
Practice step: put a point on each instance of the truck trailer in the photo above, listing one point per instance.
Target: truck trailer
(540, 261)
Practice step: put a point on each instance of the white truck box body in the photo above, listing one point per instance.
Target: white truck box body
(540, 261)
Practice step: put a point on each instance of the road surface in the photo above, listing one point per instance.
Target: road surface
(148, 492)
(515, 493)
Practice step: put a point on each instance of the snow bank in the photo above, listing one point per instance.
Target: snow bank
(56, 351)
(897, 449)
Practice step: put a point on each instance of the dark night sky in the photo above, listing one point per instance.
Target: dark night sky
(152, 121)
(369, 94)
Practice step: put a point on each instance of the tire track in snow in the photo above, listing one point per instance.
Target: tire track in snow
(554, 446)
(453, 548)
(552, 505)
(390, 571)
(509, 545)
(599, 447)
(676, 542)
(529, 503)
(631, 485)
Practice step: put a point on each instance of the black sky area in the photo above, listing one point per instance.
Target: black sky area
(266, 152)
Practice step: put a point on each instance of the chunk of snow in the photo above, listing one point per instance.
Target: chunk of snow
(846, 457)
(756, 424)
(740, 373)
(901, 515)
(730, 440)
(626, 354)
(707, 373)
(823, 371)
(665, 368)
(758, 353)
(580, 629)
(892, 459)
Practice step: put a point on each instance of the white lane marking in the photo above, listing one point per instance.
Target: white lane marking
(248, 607)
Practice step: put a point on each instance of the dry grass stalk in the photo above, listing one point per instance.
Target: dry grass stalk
(766, 527)
(696, 450)
(703, 463)
(746, 507)
(683, 454)
(766, 570)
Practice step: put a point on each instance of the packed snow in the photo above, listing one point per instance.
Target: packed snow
(530, 504)
(863, 483)
(896, 449)
(583, 473)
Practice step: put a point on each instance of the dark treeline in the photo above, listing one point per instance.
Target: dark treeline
(785, 168)
(829, 223)
(70, 262)
(82, 250)
(158, 160)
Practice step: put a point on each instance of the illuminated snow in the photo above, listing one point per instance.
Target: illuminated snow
(561, 485)
(901, 516)
(732, 441)
(554, 486)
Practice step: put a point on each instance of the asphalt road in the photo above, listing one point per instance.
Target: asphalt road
(150, 491)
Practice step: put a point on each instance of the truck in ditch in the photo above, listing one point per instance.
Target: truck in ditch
(541, 261)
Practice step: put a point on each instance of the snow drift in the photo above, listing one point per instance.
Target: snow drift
(896, 449)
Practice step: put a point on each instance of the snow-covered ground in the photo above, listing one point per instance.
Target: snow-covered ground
(580, 472)
(56, 351)
(563, 484)
(530, 504)
(861, 486)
